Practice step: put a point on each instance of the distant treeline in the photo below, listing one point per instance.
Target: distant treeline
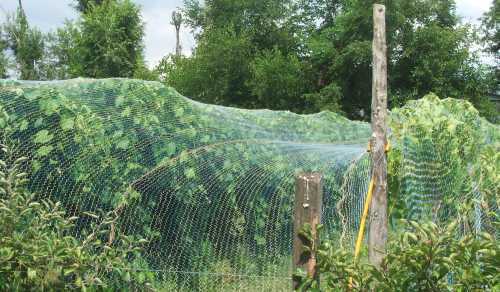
(300, 55)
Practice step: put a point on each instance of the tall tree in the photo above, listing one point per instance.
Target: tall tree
(26, 43)
(3, 56)
(310, 55)
(86, 5)
(234, 39)
(491, 30)
(429, 50)
(111, 43)
(177, 22)
(64, 58)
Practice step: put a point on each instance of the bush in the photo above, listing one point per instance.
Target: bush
(424, 258)
(39, 252)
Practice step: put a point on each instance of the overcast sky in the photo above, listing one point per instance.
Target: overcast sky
(160, 35)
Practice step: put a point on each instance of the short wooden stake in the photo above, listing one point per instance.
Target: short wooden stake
(308, 203)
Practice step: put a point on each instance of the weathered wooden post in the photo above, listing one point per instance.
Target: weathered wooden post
(308, 202)
(378, 211)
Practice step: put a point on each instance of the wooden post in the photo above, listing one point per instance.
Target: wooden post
(308, 201)
(378, 212)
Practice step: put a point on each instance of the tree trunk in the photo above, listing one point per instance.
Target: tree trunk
(178, 49)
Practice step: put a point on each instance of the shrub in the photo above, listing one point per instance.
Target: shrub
(39, 252)
(424, 258)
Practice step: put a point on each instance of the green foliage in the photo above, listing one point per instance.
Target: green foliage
(106, 41)
(277, 81)
(85, 6)
(239, 44)
(491, 38)
(186, 170)
(308, 56)
(111, 42)
(425, 257)
(3, 57)
(432, 56)
(491, 28)
(63, 56)
(223, 53)
(327, 99)
(186, 163)
(429, 258)
(39, 252)
(27, 44)
(459, 140)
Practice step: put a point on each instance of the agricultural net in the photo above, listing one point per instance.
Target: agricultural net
(212, 187)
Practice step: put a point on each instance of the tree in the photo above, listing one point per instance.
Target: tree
(217, 72)
(491, 28)
(26, 43)
(107, 41)
(177, 22)
(3, 57)
(429, 50)
(64, 59)
(277, 81)
(86, 5)
(231, 35)
(315, 55)
(111, 43)
(491, 31)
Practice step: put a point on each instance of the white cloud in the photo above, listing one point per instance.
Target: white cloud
(472, 10)
(47, 15)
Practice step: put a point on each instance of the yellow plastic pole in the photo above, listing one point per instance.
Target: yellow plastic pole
(362, 224)
(366, 208)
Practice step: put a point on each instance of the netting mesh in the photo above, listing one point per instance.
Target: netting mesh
(212, 187)
(448, 155)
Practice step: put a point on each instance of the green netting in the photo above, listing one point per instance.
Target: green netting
(447, 155)
(212, 187)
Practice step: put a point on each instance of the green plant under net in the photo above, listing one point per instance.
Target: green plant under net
(211, 188)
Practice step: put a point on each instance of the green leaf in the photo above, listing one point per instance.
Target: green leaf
(205, 139)
(179, 112)
(50, 106)
(126, 112)
(43, 137)
(126, 277)
(67, 124)
(170, 149)
(190, 173)
(38, 122)
(24, 125)
(31, 274)
(141, 277)
(123, 144)
(119, 100)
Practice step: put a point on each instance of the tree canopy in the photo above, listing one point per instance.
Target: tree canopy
(26, 43)
(298, 55)
(307, 56)
(105, 41)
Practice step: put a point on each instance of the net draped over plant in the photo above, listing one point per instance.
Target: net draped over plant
(447, 155)
(212, 187)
